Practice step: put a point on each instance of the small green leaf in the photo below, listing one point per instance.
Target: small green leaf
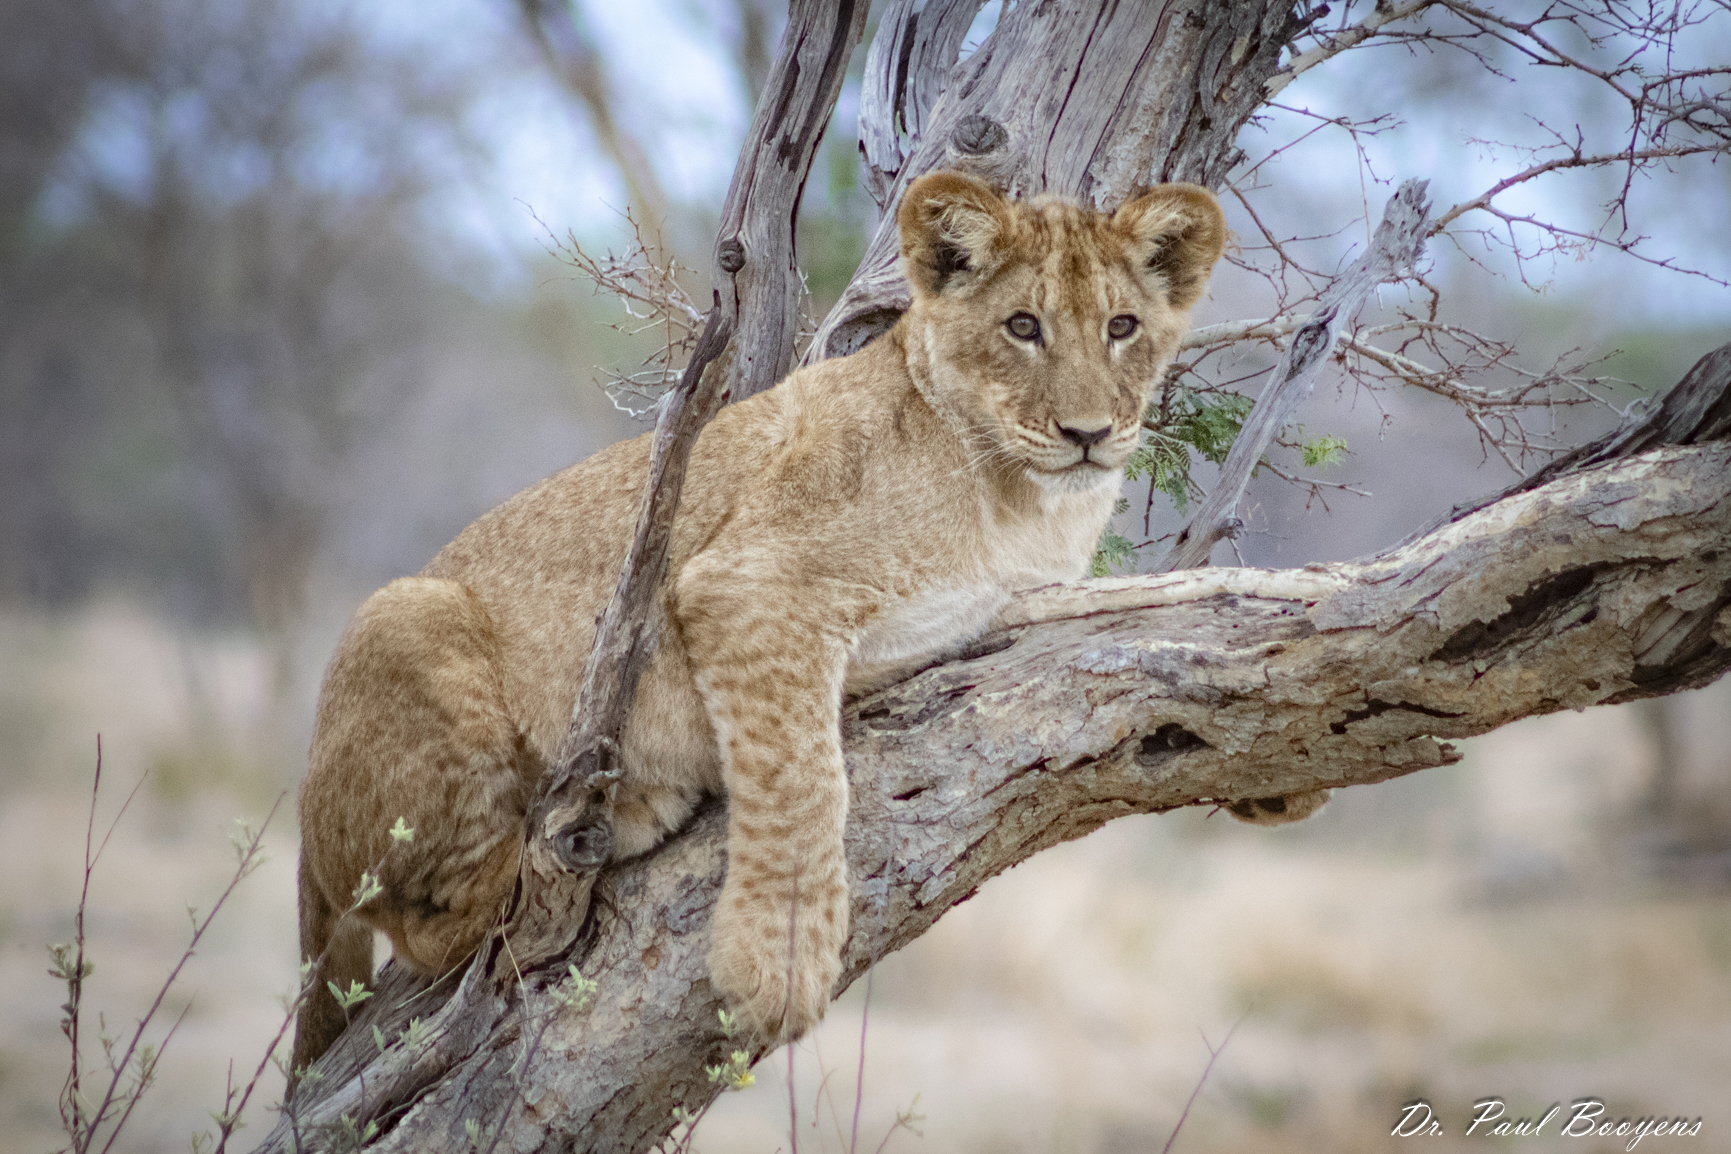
(575, 991)
(1113, 551)
(353, 996)
(1206, 423)
(735, 1073)
(368, 889)
(1325, 450)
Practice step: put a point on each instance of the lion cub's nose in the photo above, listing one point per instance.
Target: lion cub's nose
(1085, 436)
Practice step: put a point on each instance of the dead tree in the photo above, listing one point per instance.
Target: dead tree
(1604, 577)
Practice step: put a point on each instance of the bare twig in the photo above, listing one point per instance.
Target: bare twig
(84, 1122)
(1351, 37)
(645, 279)
(859, 1085)
(1213, 1056)
(1575, 159)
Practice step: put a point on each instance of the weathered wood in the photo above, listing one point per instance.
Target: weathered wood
(906, 70)
(1080, 97)
(755, 269)
(1130, 695)
(1393, 251)
(569, 832)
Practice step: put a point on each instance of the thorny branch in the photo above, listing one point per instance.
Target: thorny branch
(1461, 360)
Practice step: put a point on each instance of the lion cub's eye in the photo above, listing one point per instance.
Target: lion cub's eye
(1121, 326)
(1024, 327)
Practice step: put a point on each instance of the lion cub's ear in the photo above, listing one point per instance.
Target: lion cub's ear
(1177, 232)
(951, 225)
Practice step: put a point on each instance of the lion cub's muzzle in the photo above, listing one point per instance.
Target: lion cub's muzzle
(1094, 447)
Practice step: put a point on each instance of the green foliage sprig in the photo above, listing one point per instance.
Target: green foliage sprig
(1204, 423)
(1181, 426)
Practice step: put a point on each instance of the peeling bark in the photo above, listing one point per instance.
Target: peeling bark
(755, 269)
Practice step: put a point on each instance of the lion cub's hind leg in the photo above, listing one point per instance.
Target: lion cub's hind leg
(413, 724)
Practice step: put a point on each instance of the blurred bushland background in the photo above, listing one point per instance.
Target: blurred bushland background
(282, 309)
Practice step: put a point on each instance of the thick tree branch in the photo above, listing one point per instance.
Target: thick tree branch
(569, 830)
(1094, 700)
(755, 269)
(906, 69)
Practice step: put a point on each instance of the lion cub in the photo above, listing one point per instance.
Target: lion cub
(864, 514)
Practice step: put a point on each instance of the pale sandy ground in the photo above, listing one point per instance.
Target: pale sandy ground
(1481, 930)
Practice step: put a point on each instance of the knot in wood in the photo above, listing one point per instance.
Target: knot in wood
(731, 255)
(977, 135)
(584, 845)
(1309, 343)
(1166, 742)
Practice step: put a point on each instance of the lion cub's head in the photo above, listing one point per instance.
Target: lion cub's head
(1044, 324)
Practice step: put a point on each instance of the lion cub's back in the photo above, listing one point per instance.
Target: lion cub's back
(544, 563)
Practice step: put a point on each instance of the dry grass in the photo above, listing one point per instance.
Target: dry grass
(1478, 930)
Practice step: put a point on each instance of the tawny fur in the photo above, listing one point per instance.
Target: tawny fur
(862, 516)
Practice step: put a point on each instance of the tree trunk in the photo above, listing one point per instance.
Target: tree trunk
(1085, 98)
(1611, 580)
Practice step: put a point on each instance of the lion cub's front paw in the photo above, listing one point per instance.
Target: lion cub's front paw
(1279, 810)
(779, 989)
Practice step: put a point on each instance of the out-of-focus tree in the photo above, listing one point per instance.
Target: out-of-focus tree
(567, 44)
(619, 107)
(209, 287)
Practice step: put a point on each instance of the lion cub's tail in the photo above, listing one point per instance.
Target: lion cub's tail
(346, 945)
